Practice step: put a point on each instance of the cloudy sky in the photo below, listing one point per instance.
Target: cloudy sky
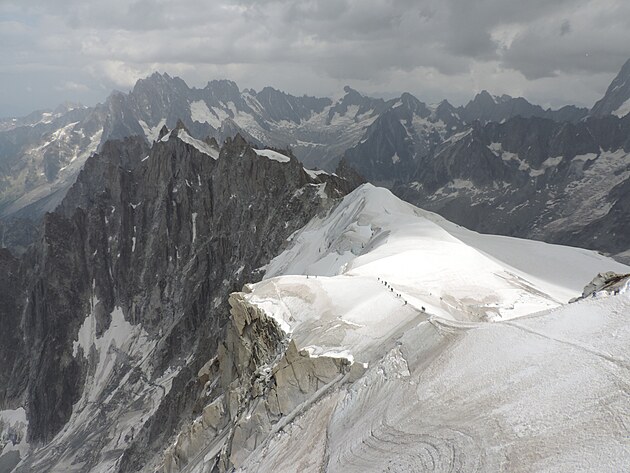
(552, 52)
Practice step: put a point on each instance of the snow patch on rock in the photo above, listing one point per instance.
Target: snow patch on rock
(273, 155)
(201, 146)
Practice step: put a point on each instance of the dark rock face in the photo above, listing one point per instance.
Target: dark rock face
(17, 234)
(487, 108)
(52, 312)
(124, 298)
(280, 106)
(610, 231)
(535, 178)
(617, 95)
(12, 349)
(401, 137)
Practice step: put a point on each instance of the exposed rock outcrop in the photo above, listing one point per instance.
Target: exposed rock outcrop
(609, 282)
(266, 381)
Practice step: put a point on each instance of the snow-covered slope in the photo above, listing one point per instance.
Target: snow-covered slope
(543, 393)
(427, 261)
(473, 360)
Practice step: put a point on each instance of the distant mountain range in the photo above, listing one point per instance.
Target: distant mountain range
(494, 150)
(562, 177)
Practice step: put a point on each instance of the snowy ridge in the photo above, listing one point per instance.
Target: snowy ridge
(350, 280)
(543, 393)
(356, 278)
(409, 295)
(198, 144)
(273, 155)
(373, 233)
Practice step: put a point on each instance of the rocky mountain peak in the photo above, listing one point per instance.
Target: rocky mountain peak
(223, 91)
(281, 106)
(488, 108)
(237, 143)
(444, 108)
(349, 90)
(413, 105)
(180, 126)
(212, 142)
(361, 104)
(484, 98)
(159, 83)
(163, 132)
(616, 101)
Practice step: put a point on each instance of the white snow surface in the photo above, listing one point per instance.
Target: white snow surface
(152, 132)
(373, 234)
(199, 112)
(315, 173)
(475, 361)
(542, 393)
(201, 146)
(623, 110)
(273, 155)
(351, 279)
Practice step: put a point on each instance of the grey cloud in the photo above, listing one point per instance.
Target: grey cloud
(313, 46)
(596, 42)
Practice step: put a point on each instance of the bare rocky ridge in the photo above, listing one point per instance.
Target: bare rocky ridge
(608, 282)
(487, 108)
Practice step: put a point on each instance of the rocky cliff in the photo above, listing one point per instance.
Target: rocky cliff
(124, 298)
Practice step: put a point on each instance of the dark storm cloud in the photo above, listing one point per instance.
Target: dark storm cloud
(550, 51)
